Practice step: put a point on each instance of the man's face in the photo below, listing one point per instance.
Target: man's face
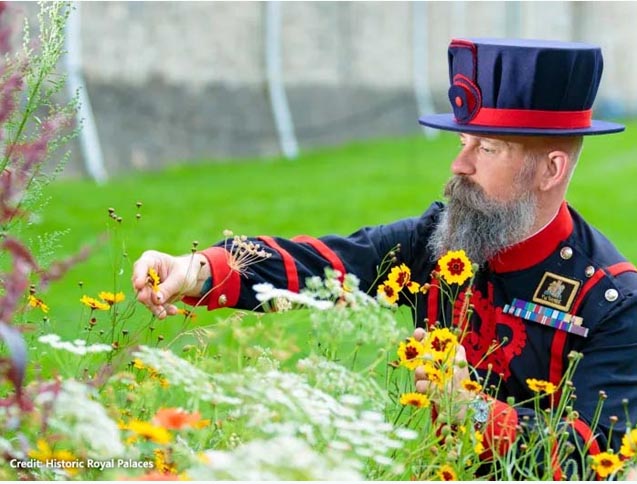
(491, 198)
(496, 163)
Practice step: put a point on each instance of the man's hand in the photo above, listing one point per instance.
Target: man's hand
(453, 397)
(179, 276)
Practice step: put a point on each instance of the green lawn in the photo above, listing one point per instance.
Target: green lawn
(334, 190)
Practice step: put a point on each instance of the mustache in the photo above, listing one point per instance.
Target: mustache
(461, 191)
(479, 224)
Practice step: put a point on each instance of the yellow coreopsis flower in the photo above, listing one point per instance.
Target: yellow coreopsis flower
(35, 302)
(151, 432)
(415, 399)
(629, 444)
(400, 275)
(446, 473)
(479, 447)
(606, 464)
(163, 462)
(455, 267)
(153, 279)
(413, 287)
(410, 352)
(436, 375)
(43, 453)
(441, 343)
(187, 313)
(94, 303)
(389, 292)
(471, 385)
(111, 298)
(541, 386)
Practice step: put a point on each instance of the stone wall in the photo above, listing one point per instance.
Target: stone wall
(186, 81)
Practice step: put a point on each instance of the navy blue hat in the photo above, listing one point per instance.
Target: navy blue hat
(526, 87)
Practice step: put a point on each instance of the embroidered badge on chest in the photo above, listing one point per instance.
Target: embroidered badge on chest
(556, 291)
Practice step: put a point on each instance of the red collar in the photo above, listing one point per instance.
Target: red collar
(535, 249)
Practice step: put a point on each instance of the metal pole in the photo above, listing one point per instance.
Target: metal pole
(89, 139)
(420, 50)
(276, 89)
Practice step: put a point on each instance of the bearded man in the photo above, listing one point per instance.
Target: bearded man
(547, 283)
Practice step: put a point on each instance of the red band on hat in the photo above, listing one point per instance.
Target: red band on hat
(531, 118)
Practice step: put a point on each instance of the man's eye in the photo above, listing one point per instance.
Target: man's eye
(487, 150)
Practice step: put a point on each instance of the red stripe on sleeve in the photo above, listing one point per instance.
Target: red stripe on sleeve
(226, 283)
(288, 263)
(325, 252)
(620, 268)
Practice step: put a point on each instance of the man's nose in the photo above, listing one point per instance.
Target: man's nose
(464, 164)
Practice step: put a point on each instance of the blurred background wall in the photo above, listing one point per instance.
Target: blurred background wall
(185, 81)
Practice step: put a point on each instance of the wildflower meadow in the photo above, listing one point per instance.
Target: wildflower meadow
(235, 397)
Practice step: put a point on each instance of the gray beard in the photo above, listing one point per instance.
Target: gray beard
(478, 225)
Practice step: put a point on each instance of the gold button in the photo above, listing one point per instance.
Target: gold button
(611, 295)
(589, 271)
(566, 253)
(223, 300)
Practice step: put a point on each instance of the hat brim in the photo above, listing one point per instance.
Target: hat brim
(448, 122)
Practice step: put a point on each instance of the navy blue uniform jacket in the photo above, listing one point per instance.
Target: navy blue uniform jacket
(567, 265)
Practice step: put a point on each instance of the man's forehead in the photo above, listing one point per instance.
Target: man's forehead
(504, 140)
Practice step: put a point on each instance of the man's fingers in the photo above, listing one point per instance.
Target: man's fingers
(424, 386)
(420, 374)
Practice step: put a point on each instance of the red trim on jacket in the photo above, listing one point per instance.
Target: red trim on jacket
(432, 303)
(225, 281)
(288, 262)
(559, 340)
(325, 252)
(620, 268)
(586, 433)
(500, 430)
(535, 249)
(557, 470)
(556, 368)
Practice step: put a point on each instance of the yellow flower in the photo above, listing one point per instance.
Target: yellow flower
(400, 276)
(187, 313)
(446, 473)
(606, 464)
(629, 444)
(110, 298)
(441, 343)
(45, 453)
(455, 267)
(153, 279)
(470, 385)
(389, 292)
(413, 287)
(163, 462)
(94, 303)
(151, 432)
(541, 386)
(410, 352)
(139, 364)
(35, 302)
(436, 375)
(479, 447)
(416, 399)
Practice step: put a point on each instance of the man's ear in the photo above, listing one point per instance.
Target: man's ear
(554, 169)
